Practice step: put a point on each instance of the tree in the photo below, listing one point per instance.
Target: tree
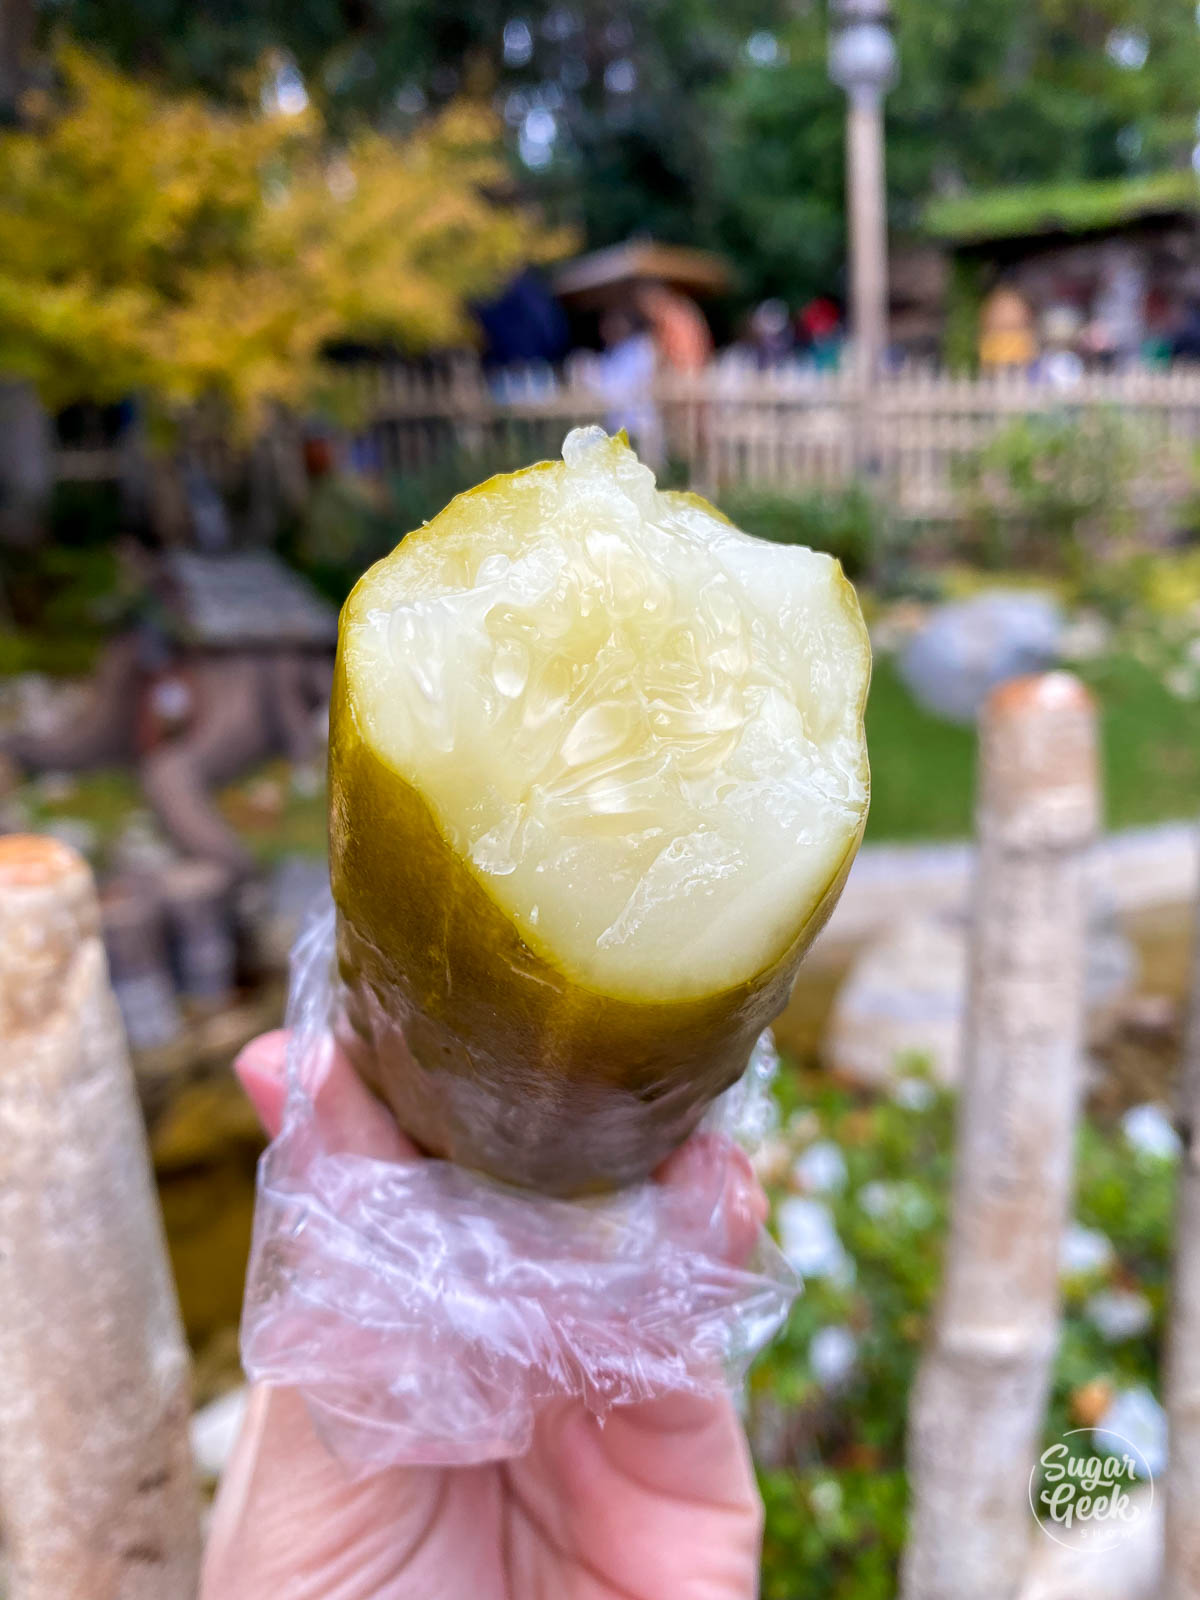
(988, 93)
(714, 121)
(16, 35)
(154, 243)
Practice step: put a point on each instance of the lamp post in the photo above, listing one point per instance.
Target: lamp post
(862, 61)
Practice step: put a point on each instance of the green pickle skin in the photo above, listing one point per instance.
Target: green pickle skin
(485, 1052)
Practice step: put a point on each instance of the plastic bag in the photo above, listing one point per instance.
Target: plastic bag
(427, 1312)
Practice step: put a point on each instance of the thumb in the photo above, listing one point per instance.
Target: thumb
(350, 1118)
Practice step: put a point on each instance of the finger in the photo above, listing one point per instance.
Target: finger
(260, 1068)
(712, 1189)
(350, 1118)
(654, 1494)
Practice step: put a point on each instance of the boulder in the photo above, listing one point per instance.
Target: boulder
(969, 646)
(902, 1000)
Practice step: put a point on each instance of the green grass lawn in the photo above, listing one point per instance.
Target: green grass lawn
(923, 769)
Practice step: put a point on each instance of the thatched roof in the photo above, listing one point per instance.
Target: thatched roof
(1062, 208)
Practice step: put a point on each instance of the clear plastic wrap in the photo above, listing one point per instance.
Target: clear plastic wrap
(427, 1312)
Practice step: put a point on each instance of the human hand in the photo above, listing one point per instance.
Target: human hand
(658, 1503)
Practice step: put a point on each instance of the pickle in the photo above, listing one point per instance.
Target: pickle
(597, 776)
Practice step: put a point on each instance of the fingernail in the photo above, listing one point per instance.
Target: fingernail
(260, 1069)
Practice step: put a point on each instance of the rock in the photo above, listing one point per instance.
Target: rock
(1111, 976)
(969, 646)
(214, 1433)
(1086, 637)
(39, 706)
(135, 942)
(55, 788)
(1137, 870)
(141, 849)
(902, 999)
(197, 896)
(296, 885)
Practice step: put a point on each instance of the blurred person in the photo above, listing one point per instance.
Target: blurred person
(659, 1500)
(1099, 345)
(771, 333)
(1161, 318)
(624, 374)
(523, 324)
(820, 326)
(681, 335)
(1006, 331)
(1184, 340)
(1061, 364)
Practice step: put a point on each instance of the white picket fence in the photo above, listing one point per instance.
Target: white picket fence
(789, 429)
(785, 430)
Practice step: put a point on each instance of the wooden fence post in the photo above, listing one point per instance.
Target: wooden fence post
(97, 1498)
(980, 1395)
(1181, 1566)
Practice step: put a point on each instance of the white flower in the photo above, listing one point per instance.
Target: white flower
(825, 1498)
(913, 1094)
(810, 1242)
(832, 1353)
(1119, 1314)
(1182, 683)
(1135, 1416)
(1084, 1251)
(821, 1169)
(904, 1203)
(1149, 1130)
(1086, 637)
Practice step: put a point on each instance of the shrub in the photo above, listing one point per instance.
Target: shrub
(845, 522)
(1052, 490)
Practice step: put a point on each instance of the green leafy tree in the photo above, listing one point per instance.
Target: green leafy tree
(714, 121)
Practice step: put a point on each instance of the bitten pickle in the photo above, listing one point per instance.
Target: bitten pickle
(597, 776)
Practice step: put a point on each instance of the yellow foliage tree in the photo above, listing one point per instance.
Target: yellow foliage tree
(159, 245)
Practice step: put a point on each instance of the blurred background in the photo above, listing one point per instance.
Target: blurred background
(916, 285)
